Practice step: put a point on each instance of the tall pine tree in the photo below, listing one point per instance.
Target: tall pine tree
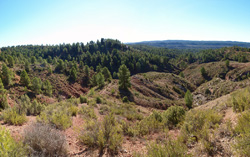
(124, 77)
(47, 88)
(73, 74)
(36, 85)
(189, 99)
(24, 78)
(100, 80)
(3, 96)
(87, 74)
(107, 74)
(6, 75)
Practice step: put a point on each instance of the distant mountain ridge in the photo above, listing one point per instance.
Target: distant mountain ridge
(191, 44)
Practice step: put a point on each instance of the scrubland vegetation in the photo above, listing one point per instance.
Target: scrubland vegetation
(104, 97)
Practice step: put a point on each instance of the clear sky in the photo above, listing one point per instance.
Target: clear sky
(68, 21)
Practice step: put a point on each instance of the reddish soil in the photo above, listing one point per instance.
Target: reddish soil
(72, 134)
(17, 131)
(75, 147)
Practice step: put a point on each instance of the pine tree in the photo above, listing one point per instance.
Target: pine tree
(10, 61)
(138, 67)
(24, 105)
(36, 85)
(181, 74)
(94, 80)
(49, 70)
(6, 75)
(2, 90)
(87, 74)
(81, 64)
(203, 72)
(124, 77)
(73, 74)
(36, 107)
(100, 80)
(98, 68)
(47, 88)
(107, 74)
(227, 63)
(115, 75)
(3, 101)
(27, 66)
(189, 99)
(60, 65)
(75, 65)
(49, 59)
(3, 96)
(24, 78)
(33, 59)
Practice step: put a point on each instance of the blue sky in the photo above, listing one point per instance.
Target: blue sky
(67, 21)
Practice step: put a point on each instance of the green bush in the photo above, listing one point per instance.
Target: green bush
(72, 101)
(104, 109)
(12, 117)
(25, 106)
(88, 112)
(127, 110)
(241, 100)
(174, 115)
(115, 141)
(125, 99)
(197, 122)
(151, 124)
(112, 133)
(98, 100)
(188, 99)
(44, 140)
(181, 74)
(36, 108)
(113, 91)
(168, 148)
(106, 134)
(58, 115)
(133, 116)
(3, 100)
(61, 120)
(203, 72)
(128, 130)
(83, 99)
(243, 125)
(9, 147)
(91, 102)
(90, 134)
(242, 143)
(91, 92)
(73, 110)
(199, 126)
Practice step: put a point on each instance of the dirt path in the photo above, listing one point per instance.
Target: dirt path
(72, 136)
(230, 115)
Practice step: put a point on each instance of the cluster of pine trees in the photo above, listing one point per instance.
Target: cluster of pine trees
(105, 53)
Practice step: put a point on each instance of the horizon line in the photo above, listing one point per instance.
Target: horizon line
(127, 42)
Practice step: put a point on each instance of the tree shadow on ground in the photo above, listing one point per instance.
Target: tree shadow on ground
(127, 93)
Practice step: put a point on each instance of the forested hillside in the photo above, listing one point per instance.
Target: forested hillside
(105, 53)
(106, 98)
(189, 44)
